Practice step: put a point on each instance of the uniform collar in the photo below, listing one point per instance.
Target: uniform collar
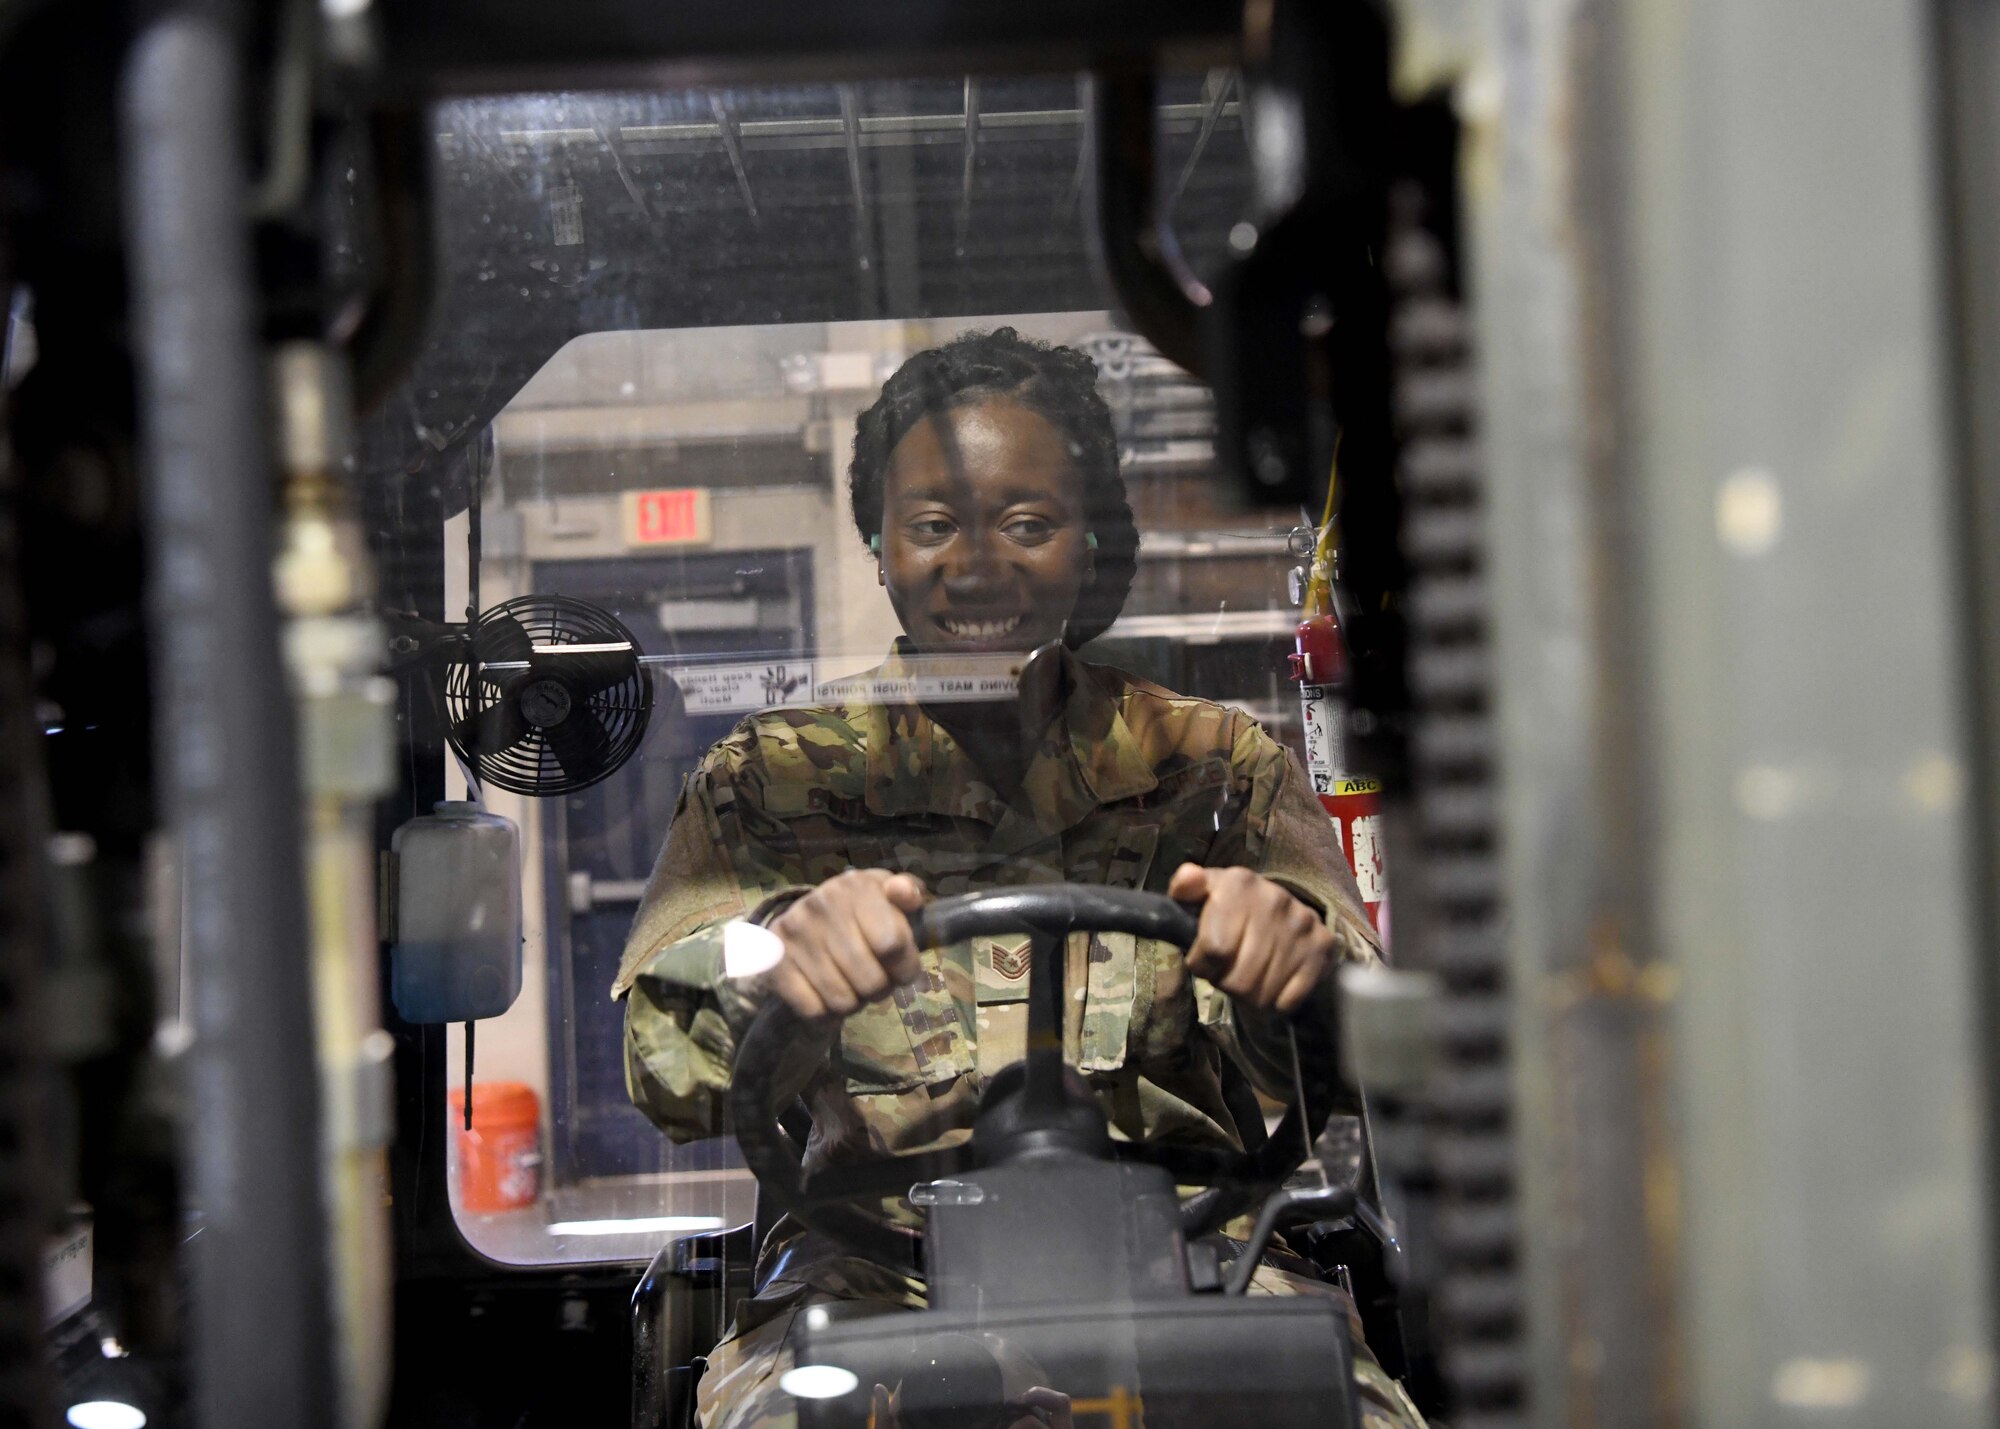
(1087, 758)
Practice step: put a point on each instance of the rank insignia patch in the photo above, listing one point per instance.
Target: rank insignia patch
(1002, 969)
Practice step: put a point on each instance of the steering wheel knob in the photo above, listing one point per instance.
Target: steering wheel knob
(749, 949)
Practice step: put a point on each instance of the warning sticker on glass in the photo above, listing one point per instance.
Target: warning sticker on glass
(729, 689)
(927, 687)
(781, 684)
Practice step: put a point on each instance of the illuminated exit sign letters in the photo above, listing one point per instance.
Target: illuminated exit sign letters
(667, 518)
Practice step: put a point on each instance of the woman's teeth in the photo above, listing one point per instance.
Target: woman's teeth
(981, 629)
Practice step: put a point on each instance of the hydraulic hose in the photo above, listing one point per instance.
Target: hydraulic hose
(261, 1340)
(23, 947)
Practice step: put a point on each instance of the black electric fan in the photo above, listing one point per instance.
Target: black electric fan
(559, 699)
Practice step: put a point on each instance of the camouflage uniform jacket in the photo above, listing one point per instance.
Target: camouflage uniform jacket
(1129, 781)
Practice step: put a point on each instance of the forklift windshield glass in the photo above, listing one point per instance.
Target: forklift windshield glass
(688, 490)
(786, 543)
(662, 318)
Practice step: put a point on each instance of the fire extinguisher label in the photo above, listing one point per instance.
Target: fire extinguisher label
(1365, 853)
(1354, 786)
(1323, 751)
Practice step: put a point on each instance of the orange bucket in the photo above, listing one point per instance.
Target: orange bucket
(497, 1165)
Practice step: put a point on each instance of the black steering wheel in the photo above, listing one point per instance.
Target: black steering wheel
(1234, 1179)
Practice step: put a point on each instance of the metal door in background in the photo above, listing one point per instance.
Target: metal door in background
(598, 845)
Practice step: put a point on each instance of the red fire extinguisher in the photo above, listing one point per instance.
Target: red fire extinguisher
(1352, 800)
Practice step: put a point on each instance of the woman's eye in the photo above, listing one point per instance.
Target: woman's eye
(1030, 528)
(930, 528)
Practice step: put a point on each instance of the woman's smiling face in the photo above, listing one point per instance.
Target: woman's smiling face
(983, 533)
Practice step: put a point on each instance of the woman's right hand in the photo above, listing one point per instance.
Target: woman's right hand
(847, 943)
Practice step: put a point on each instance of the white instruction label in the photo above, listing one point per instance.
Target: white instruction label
(782, 684)
(730, 689)
(1324, 756)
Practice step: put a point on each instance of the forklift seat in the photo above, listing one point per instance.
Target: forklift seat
(680, 1308)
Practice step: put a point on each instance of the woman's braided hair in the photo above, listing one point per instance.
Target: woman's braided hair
(1057, 383)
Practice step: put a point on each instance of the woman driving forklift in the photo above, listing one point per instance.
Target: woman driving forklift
(985, 480)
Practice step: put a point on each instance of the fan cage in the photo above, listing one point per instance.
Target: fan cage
(530, 765)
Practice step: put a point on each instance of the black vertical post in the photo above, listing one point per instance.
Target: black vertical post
(1044, 1089)
(262, 1333)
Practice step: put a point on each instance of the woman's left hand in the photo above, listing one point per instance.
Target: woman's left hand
(1257, 942)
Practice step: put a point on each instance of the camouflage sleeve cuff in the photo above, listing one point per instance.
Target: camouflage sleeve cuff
(740, 998)
(695, 959)
(693, 962)
(772, 907)
(1355, 939)
(1299, 891)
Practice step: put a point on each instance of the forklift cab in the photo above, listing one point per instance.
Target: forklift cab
(686, 478)
(565, 386)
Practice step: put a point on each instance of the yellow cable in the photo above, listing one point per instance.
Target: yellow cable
(1319, 577)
